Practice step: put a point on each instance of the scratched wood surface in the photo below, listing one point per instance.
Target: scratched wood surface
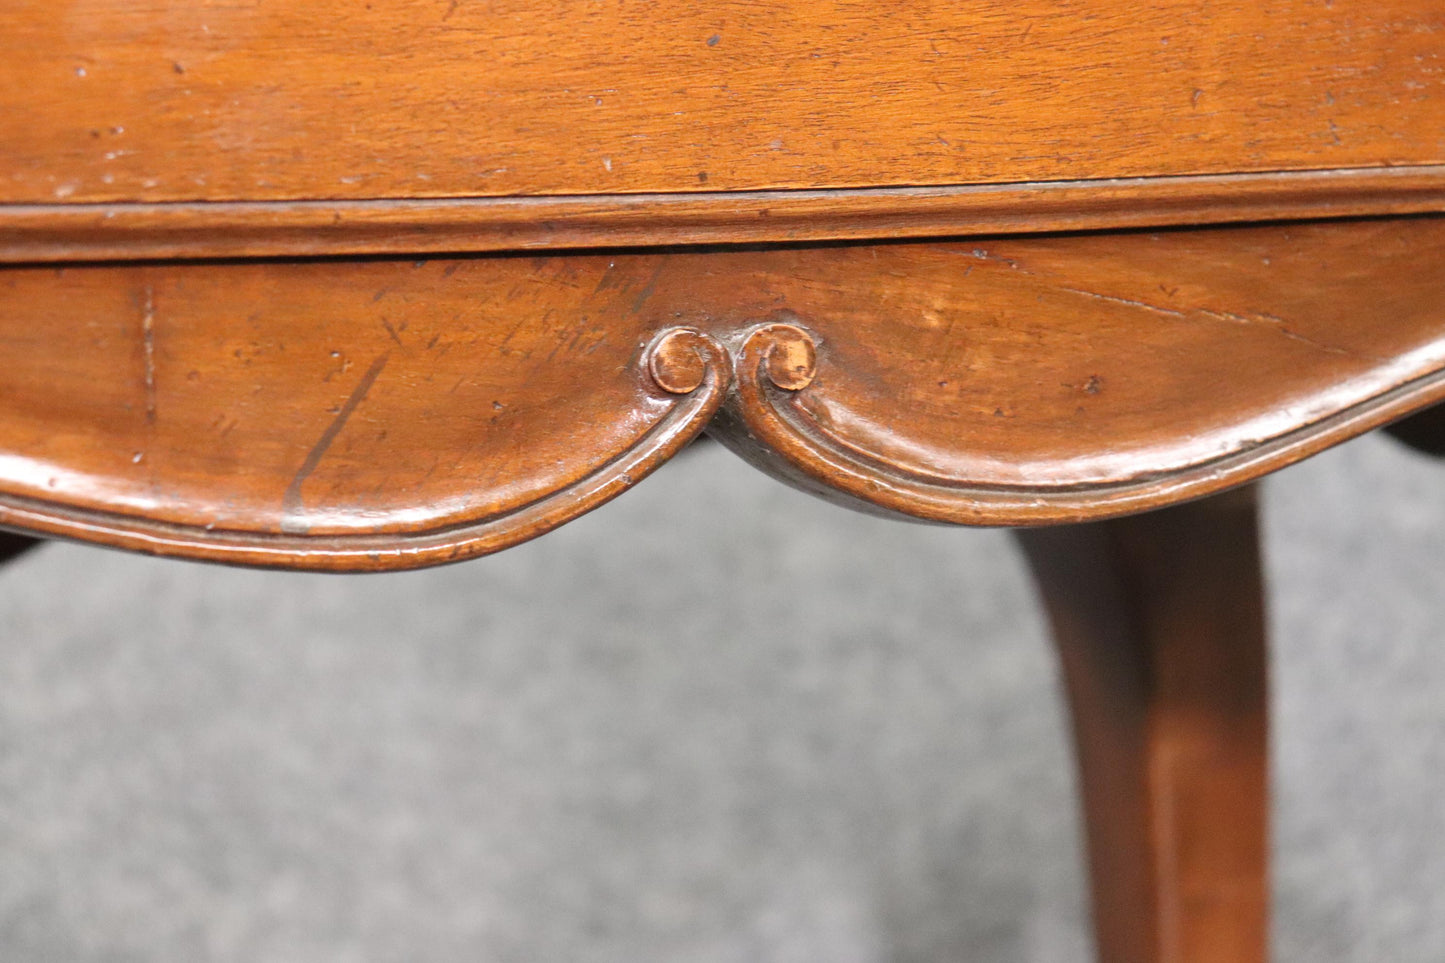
(104, 100)
(1062, 363)
(318, 398)
(1037, 380)
(997, 381)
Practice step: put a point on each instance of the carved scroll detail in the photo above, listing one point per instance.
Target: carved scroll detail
(767, 423)
(991, 382)
(683, 362)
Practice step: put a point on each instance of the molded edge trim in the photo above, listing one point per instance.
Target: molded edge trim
(49, 233)
(763, 425)
(701, 388)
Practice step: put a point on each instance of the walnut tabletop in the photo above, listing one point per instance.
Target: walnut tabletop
(377, 286)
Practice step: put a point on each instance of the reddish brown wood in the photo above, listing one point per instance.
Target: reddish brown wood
(379, 414)
(1043, 380)
(209, 100)
(127, 231)
(371, 414)
(334, 416)
(1159, 621)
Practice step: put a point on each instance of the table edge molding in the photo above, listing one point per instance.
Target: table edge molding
(685, 364)
(55, 233)
(741, 395)
(762, 424)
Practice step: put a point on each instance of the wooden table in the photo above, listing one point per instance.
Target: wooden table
(375, 286)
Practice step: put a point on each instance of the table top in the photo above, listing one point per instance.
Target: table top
(214, 101)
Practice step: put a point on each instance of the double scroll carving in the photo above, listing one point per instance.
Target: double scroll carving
(381, 414)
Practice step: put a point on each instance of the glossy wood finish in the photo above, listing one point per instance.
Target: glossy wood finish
(301, 414)
(1160, 628)
(1047, 380)
(385, 414)
(129, 231)
(332, 409)
(210, 100)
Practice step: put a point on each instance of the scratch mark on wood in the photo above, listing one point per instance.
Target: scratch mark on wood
(1295, 336)
(291, 504)
(983, 254)
(392, 331)
(1278, 324)
(502, 348)
(148, 339)
(1142, 305)
(649, 287)
(1228, 317)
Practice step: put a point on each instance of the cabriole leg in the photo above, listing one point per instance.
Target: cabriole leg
(1159, 622)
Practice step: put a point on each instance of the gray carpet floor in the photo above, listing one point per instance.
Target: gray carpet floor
(714, 721)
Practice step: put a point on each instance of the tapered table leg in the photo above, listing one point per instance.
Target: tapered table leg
(1159, 621)
(12, 545)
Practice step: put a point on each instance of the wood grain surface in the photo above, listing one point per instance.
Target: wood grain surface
(111, 100)
(328, 398)
(1037, 380)
(385, 413)
(381, 414)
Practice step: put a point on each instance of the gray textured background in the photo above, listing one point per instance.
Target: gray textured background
(714, 721)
